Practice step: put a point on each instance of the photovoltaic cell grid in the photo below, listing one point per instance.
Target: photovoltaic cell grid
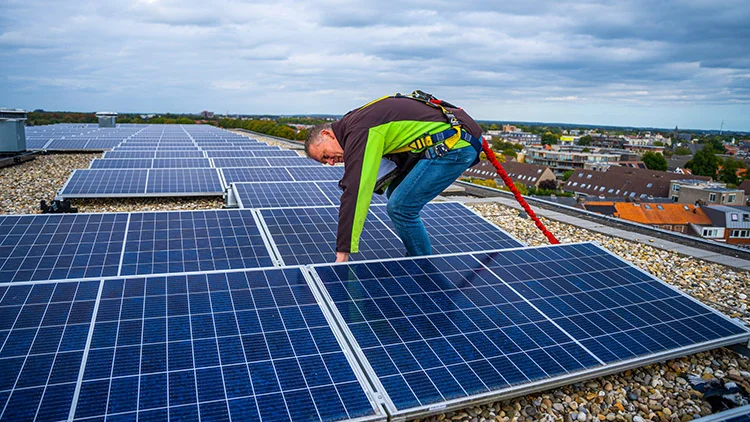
(169, 242)
(447, 329)
(43, 332)
(308, 235)
(246, 345)
(311, 174)
(279, 194)
(118, 163)
(187, 181)
(60, 246)
(333, 192)
(240, 162)
(255, 174)
(85, 182)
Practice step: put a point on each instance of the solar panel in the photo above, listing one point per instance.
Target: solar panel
(179, 241)
(278, 194)
(195, 181)
(181, 163)
(101, 144)
(240, 162)
(250, 345)
(255, 174)
(128, 154)
(179, 154)
(44, 327)
(292, 162)
(308, 236)
(93, 183)
(121, 163)
(36, 144)
(233, 153)
(308, 174)
(257, 152)
(68, 144)
(440, 332)
(60, 246)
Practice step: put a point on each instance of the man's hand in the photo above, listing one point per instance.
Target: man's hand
(342, 256)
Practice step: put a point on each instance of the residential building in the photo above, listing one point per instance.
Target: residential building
(563, 159)
(692, 191)
(207, 114)
(606, 141)
(745, 186)
(728, 224)
(528, 174)
(523, 138)
(672, 217)
(620, 181)
(510, 128)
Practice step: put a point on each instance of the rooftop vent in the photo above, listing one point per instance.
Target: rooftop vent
(107, 118)
(12, 130)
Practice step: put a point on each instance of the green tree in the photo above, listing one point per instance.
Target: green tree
(585, 140)
(728, 172)
(548, 184)
(682, 151)
(566, 175)
(549, 138)
(655, 161)
(704, 163)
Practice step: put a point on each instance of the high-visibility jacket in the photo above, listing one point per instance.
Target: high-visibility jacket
(369, 133)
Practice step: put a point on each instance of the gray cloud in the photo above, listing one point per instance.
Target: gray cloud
(631, 63)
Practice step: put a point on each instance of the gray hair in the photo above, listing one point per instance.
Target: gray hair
(313, 135)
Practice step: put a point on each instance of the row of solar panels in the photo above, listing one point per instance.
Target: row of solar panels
(145, 163)
(361, 341)
(225, 153)
(108, 183)
(57, 247)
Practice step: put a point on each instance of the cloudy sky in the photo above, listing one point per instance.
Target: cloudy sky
(640, 62)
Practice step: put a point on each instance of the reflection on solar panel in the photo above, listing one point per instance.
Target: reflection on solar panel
(240, 162)
(88, 183)
(270, 153)
(186, 181)
(128, 154)
(60, 246)
(307, 174)
(179, 154)
(168, 242)
(308, 236)
(245, 345)
(440, 329)
(232, 153)
(44, 327)
(279, 194)
(255, 174)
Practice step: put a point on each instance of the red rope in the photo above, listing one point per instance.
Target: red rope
(509, 183)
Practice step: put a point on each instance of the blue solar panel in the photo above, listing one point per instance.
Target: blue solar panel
(44, 328)
(292, 162)
(101, 144)
(309, 174)
(257, 152)
(179, 154)
(441, 329)
(168, 242)
(121, 163)
(60, 246)
(279, 194)
(308, 236)
(186, 181)
(36, 144)
(240, 162)
(113, 182)
(232, 153)
(255, 174)
(128, 154)
(68, 144)
(245, 345)
(175, 163)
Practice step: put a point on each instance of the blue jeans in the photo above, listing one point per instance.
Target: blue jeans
(407, 197)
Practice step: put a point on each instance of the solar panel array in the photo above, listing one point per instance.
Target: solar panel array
(444, 331)
(181, 315)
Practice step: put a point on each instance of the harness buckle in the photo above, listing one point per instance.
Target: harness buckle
(436, 151)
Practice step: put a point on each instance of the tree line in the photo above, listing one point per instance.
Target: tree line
(267, 127)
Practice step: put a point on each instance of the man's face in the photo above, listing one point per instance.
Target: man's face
(328, 151)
